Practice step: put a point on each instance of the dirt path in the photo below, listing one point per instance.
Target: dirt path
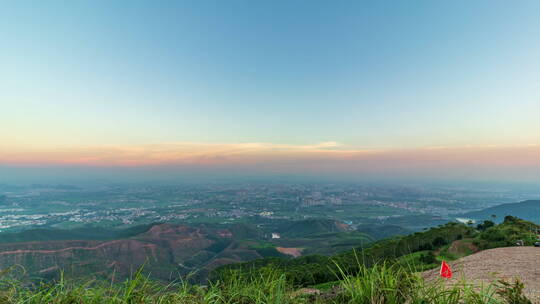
(499, 263)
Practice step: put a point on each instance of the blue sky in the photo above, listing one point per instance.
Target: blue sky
(364, 75)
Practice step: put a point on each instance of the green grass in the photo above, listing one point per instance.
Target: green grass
(380, 284)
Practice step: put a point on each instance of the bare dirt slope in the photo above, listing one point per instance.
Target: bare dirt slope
(165, 250)
(500, 263)
(295, 252)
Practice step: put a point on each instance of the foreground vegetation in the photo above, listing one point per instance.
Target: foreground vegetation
(379, 284)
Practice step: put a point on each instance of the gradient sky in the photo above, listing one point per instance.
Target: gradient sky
(239, 83)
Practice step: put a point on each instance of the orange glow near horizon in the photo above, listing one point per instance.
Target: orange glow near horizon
(264, 154)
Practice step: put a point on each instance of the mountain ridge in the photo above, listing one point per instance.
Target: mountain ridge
(528, 210)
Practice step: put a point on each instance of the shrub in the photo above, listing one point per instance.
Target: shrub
(485, 225)
(512, 293)
(439, 241)
(428, 258)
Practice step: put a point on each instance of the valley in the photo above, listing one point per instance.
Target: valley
(189, 231)
(24, 207)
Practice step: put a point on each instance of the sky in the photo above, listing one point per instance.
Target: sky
(446, 89)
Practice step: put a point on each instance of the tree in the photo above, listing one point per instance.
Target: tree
(510, 219)
(426, 246)
(485, 225)
(439, 241)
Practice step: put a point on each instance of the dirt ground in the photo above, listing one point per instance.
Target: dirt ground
(500, 263)
(295, 252)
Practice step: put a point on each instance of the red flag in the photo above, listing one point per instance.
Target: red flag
(445, 272)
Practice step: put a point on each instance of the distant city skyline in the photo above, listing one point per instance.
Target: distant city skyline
(384, 89)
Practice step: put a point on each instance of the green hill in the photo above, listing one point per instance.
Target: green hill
(313, 226)
(382, 231)
(449, 241)
(508, 233)
(317, 269)
(527, 210)
(168, 250)
(88, 233)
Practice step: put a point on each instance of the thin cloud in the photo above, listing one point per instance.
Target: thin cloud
(326, 155)
(168, 153)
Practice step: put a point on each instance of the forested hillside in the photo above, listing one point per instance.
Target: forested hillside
(421, 249)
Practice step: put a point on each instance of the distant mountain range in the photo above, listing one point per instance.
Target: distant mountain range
(169, 251)
(527, 210)
(166, 250)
